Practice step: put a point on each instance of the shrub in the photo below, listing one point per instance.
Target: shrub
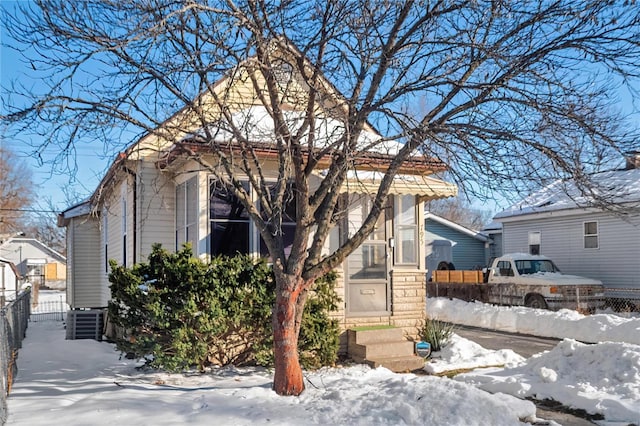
(437, 333)
(178, 312)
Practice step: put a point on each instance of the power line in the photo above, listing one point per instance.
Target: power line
(28, 210)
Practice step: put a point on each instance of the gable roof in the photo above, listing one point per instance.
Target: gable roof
(255, 121)
(457, 227)
(36, 243)
(616, 186)
(258, 127)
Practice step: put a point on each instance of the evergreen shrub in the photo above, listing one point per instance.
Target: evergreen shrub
(178, 312)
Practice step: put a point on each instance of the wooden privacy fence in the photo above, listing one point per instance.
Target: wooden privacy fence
(471, 277)
(14, 318)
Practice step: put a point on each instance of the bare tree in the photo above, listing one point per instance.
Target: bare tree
(41, 225)
(460, 210)
(509, 94)
(15, 192)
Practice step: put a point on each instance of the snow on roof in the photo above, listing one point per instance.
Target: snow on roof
(617, 186)
(257, 125)
(493, 226)
(467, 231)
(80, 209)
(37, 244)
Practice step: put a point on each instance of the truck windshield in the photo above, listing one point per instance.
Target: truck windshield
(529, 266)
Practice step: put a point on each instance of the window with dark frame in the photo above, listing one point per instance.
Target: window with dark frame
(288, 226)
(229, 221)
(535, 238)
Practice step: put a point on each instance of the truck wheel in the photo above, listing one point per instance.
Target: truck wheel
(535, 301)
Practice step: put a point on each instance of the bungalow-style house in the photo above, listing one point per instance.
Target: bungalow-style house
(9, 281)
(156, 192)
(453, 246)
(599, 243)
(38, 263)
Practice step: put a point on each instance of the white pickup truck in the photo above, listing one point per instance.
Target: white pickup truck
(523, 280)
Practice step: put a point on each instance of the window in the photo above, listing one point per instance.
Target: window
(406, 230)
(369, 261)
(534, 242)
(187, 213)
(504, 268)
(591, 235)
(528, 267)
(288, 222)
(124, 231)
(229, 221)
(105, 238)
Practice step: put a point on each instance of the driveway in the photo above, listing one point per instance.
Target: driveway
(526, 346)
(522, 344)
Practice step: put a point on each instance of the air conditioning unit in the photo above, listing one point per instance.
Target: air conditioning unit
(87, 324)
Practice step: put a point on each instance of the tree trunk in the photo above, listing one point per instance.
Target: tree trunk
(287, 379)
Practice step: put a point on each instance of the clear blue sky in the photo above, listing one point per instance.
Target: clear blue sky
(49, 183)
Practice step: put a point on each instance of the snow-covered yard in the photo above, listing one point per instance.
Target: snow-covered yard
(85, 382)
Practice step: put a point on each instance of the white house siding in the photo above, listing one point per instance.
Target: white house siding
(616, 262)
(9, 285)
(155, 210)
(86, 288)
(70, 237)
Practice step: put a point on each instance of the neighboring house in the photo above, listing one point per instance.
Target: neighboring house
(450, 245)
(9, 281)
(155, 192)
(558, 222)
(36, 262)
(494, 232)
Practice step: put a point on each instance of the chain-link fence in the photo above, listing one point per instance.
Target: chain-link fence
(623, 301)
(14, 318)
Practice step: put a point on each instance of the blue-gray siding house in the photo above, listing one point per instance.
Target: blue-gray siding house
(449, 242)
(561, 223)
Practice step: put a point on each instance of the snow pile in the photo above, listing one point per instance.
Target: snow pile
(463, 354)
(561, 324)
(603, 378)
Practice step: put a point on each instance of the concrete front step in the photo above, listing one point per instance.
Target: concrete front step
(390, 349)
(402, 364)
(384, 347)
(364, 337)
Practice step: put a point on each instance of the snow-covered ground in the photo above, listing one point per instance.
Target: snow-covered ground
(601, 327)
(85, 382)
